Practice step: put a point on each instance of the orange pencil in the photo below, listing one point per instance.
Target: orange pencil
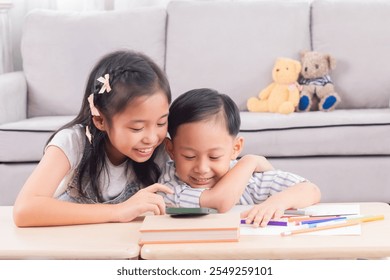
(336, 225)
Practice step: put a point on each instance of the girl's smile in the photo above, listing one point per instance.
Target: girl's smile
(139, 129)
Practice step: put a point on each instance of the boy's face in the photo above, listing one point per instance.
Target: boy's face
(202, 152)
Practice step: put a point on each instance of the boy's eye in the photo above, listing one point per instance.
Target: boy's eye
(188, 157)
(162, 124)
(136, 129)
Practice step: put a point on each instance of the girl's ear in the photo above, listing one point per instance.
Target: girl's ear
(99, 122)
(169, 147)
(238, 145)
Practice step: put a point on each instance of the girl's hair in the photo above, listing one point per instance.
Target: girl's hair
(203, 104)
(131, 75)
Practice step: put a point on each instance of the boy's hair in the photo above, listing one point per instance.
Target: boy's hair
(202, 104)
(131, 75)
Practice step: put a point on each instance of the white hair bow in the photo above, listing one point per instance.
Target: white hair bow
(106, 83)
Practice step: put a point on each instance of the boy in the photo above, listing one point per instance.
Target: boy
(204, 144)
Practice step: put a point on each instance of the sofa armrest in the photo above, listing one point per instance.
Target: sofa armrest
(13, 97)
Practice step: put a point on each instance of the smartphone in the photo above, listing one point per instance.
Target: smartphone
(180, 211)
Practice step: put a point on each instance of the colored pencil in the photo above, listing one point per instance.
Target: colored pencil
(307, 218)
(295, 218)
(318, 228)
(271, 223)
(316, 221)
(295, 212)
(368, 218)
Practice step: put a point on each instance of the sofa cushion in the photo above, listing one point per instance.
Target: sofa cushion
(339, 133)
(13, 176)
(13, 97)
(232, 46)
(25, 140)
(59, 50)
(358, 36)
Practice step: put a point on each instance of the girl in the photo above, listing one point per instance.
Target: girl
(204, 144)
(102, 166)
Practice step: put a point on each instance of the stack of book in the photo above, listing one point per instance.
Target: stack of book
(161, 229)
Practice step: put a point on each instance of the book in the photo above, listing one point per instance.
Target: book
(160, 229)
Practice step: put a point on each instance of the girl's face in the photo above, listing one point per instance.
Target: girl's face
(202, 152)
(139, 129)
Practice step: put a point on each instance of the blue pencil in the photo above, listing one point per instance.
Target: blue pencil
(322, 220)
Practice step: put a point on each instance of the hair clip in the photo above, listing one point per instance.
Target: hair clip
(94, 110)
(106, 83)
(88, 134)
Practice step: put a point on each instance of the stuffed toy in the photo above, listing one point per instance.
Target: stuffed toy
(281, 96)
(317, 91)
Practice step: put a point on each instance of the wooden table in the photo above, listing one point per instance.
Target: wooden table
(120, 241)
(374, 242)
(98, 241)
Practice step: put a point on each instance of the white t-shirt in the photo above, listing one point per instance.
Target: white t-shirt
(113, 180)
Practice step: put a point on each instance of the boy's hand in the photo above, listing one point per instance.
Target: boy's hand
(261, 214)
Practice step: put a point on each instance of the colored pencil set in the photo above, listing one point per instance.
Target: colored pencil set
(304, 224)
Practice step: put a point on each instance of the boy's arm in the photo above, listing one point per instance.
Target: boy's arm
(226, 193)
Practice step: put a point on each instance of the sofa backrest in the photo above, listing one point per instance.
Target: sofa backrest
(232, 46)
(59, 50)
(357, 34)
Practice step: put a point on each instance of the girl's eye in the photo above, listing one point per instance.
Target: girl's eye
(215, 158)
(162, 124)
(136, 129)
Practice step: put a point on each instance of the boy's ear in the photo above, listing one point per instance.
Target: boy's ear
(99, 122)
(238, 145)
(169, 147)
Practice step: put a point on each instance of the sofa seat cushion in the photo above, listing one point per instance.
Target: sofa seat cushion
(341, 132)
(24, 141)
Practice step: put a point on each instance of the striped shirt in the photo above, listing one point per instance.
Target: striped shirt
(259, 188)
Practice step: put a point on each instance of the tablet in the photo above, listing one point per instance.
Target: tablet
(182, 211)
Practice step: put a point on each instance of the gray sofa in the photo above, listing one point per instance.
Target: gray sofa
(229, 46)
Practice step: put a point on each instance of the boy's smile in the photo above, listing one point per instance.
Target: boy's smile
(202, 152)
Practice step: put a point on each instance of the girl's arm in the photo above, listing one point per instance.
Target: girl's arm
(297, 196)
(226, 193)
(36, 206)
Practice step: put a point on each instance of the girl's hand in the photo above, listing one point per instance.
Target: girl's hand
(145, 200)
(260, 163)
(263, 164)
(262, 213)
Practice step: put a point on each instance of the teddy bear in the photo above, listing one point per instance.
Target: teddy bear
(281, 96)
(317, 88)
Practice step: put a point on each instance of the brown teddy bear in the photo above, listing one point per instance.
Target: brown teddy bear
(281, 96)
(317, 88)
